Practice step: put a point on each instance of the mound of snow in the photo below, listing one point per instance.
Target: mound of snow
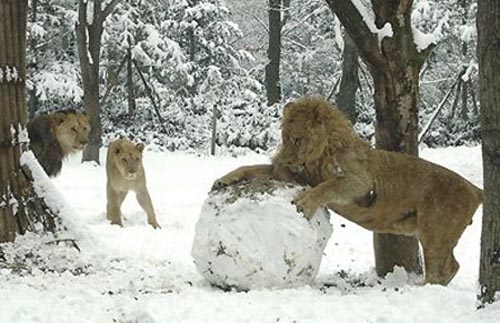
(250, 236)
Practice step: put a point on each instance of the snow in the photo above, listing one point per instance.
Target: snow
(10, 74)
(467, 33)
(247, 239)
(138, 274)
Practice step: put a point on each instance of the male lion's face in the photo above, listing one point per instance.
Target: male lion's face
(303, 143)
(128, 159)
(72, 131)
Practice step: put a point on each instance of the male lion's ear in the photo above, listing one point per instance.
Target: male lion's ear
(59, 119)
(117, 149)
(140, 147)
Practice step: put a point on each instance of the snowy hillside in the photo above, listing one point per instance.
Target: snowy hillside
(138, 274)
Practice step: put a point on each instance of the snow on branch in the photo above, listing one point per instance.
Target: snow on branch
(385, 31)
(470, 68)
(424, 40)
(361, 28)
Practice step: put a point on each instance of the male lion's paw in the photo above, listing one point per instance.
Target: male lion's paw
(218, 184)
(224, 182)
(305, 205)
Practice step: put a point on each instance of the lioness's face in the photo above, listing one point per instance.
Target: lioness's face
(72, 131)
(128, 159)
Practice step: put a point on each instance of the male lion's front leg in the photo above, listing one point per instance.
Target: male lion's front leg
(307, 204)
(243, 174)
(342, 191)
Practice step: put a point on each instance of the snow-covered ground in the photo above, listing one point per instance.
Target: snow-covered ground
(138, 274)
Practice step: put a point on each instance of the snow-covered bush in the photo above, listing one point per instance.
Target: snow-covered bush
(250, 236)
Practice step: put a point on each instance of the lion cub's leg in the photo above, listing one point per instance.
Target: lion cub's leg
(115, 200)
(144, 200)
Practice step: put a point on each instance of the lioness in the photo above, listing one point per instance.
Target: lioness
(56, 135)
(382, 191)
(125, 172)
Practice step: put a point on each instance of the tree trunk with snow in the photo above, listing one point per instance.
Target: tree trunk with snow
(394, 64)
(20, 206)
(32, 96)
(488, 49)
(89, 28)
(349, 84)
(273, 87)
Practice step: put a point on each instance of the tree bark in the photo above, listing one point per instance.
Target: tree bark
(130, 83)
(488, 49)
(349, 84)
(20, 206)
(88, 37)
(394, 64)
(273, 87)
(33, 98)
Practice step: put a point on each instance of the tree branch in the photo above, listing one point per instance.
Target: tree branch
(356, 27)
(108, 9)
(257, 19)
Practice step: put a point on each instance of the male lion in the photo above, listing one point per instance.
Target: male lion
(56, 135)
(382, 191)
(125, 172)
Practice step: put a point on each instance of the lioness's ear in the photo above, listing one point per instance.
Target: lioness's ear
(140, 147)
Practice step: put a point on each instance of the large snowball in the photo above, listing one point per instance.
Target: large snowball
(250, 236)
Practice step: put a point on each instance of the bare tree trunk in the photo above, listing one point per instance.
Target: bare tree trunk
(88, 35)
(130, 83)
(20, 206)
(488, 24)
(346, 98)
(273, 87)
(215, 115)
(394, 64)
(465, 84)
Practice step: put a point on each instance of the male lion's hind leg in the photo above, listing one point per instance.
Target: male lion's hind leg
(440, 266)
(439, 234)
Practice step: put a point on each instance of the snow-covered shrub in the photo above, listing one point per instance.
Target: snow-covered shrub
(250, 236)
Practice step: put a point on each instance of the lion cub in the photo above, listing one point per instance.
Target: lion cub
(125, 172)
